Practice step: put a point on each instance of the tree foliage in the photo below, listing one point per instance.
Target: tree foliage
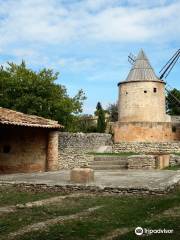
(37, 93)
(86, 123)
(101, 124)
(113, 111)
(173, 107)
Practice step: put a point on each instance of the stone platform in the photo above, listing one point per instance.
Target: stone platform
(115, 181)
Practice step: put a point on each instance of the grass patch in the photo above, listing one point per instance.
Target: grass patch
(9, 195)
(117, 212)
(175, 168)
(113, 154)
(14, 221)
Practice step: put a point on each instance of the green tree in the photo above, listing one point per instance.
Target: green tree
(37, 93)
(101, 124)
(86, 123)
(113, 111)
(173, 102)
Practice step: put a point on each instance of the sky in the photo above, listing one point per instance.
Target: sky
(88, 41)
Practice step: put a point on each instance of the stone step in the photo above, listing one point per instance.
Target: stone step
(106, 162)
(110, 162)
(110, 158)
(108, 167)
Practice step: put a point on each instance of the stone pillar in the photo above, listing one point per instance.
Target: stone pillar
(52, 151)
(162, 161)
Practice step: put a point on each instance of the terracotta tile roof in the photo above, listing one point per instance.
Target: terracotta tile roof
(10, 117)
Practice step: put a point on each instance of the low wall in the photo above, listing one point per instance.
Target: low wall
(141, 162)
(174, 160)
(147, 147)
(73, 148)
(90, 189)
(152, 161)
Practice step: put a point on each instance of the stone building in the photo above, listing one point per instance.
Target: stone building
(141, 107)
(27, 143)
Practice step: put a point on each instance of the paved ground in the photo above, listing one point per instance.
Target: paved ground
(149, 179)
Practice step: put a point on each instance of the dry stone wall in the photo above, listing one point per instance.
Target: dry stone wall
(141, 162)
(73, 148)
(147, 147)
(90, 189)
(145, 161)
(174, 160)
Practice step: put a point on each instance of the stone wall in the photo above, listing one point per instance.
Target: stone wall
(152, 161)
(174, 160)
(22, 149)
(90, 189)
(141, 162)
(142, 147)
(73, 148)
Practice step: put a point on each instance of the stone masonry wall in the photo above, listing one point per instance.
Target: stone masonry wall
(141, 162)
(142, 147)
(146, 161)
(73, 148)
(174, 160)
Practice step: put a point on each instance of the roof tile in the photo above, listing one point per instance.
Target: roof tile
(10, 117)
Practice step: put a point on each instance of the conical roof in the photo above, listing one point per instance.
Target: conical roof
(142, 70)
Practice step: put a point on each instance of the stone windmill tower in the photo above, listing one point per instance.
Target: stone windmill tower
(141, 106)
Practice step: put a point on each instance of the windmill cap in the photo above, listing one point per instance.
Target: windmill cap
(142, 70)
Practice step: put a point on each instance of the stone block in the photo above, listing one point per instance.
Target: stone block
(82, 175)
(103, 149)
(162, 161)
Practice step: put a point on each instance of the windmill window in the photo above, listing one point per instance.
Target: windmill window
(155, 90)
(145, 91)
(173, 129)
(6, 149)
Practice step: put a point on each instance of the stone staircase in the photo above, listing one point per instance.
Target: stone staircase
(106, 162)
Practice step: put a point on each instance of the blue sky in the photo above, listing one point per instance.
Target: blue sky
(88, 41)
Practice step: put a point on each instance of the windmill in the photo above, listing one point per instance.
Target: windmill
(164, 74)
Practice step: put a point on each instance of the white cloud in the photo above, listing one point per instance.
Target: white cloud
(40, 21)
(20, 52)
(77, 65)
(29, 29)
(88, 40)
(50, 21)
